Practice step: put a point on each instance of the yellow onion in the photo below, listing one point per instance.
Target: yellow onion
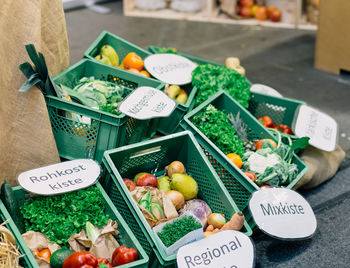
(175, 167)
(176, 198)
(217, 220)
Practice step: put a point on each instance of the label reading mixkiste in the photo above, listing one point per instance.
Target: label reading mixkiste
(226, 249)
(282, 213)
(60, 178)
(170, 68)
(147, 102)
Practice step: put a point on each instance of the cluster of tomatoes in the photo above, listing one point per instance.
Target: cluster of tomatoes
(268, 122)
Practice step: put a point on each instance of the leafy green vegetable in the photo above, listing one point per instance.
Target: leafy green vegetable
(269, 167)
(97, 94)
(215, 125)
(209, 79)
(167, 50)
(274, 166)
(174, 231)
(60, 216)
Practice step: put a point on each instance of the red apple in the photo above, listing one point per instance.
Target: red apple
(147, 180)
(246, 3)
(261, 13)
(270, 9)
(254, 8)
(275, 15)
(245, 12)
(130, 184)
(138, 175)
(251, 175)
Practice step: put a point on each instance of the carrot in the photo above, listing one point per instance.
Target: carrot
(236, 222)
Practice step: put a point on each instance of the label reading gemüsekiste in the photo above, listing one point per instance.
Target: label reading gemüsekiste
(229, 249)
(318, 126)
(282, 213)
(146, 103)
(170, 68)
(60, 178)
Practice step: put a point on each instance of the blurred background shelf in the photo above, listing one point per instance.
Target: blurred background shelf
(296, 14)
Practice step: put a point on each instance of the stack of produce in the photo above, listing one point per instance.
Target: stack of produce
(171, 195)
(132, 62)
(251, 9)
(55, 226)
(264, 161)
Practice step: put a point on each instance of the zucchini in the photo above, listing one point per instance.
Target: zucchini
(57, 258)
(11, 204)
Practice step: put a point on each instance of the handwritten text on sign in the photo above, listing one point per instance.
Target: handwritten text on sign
(283, 213)
(60, 178)
(320, 127)
(170, 68)
(229, 249)
(146, 103)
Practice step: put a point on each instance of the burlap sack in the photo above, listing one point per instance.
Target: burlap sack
(322, 166)
(26, 139)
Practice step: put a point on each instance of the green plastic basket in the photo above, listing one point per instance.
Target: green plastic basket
(152, 156)
(125, 236)
(281, 110)
(105, 131)
(155, 50)
(166, 125)
(238, 185)
(27, 260)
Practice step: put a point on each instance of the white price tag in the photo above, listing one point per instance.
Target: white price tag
(263, 89)
(319, 127)
(226, 249)
(60, 178)
(170, 68)
(282, 213)
(146, 103)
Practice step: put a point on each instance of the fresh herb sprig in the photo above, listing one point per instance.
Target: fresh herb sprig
(174, 231)
(60, 216)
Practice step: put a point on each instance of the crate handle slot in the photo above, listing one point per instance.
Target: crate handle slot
(146, 152)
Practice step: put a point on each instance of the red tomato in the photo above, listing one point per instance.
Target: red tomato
(124, 255)
(81, 259)
(266, 121)
(259, 144)
(103, 260)
(284, 129)
(251, 175)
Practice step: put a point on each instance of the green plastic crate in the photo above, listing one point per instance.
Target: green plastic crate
(125, 236)
(168, 124)
(27, 260)
(81, 140)
(152, 156)
(155, 50)
(238, 185)
(280, 109)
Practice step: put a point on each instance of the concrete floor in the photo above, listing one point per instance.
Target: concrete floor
(281, 58)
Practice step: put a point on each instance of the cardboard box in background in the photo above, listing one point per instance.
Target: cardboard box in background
(333, 36)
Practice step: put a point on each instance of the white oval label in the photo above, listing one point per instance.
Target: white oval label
(263, 89)
(229, 249)
(282, 213)
(61, 178)
(318, 126)
(170, 68)
(146, 103)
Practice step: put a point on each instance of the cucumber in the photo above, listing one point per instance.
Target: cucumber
(11, 204)
(57, 258)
